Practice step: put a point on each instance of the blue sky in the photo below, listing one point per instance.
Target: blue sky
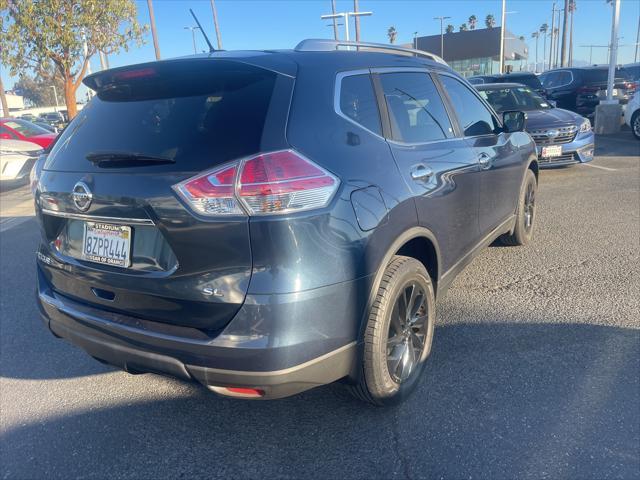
(258, 24)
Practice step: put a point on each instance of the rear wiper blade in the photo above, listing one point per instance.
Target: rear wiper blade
(126, 159)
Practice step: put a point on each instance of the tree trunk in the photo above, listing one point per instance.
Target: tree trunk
(70, 96)
(3, 100)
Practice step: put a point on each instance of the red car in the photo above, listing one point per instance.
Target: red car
(19, 129)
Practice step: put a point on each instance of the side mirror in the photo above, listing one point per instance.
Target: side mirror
(514, 121)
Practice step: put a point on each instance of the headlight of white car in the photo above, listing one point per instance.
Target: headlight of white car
(585, 126)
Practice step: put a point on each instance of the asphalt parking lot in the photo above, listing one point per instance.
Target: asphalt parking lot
(534, 371)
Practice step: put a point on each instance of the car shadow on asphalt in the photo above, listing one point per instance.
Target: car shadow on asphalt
(498, 400)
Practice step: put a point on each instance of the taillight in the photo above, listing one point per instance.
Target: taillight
(269, 183)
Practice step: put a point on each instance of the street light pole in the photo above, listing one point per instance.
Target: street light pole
(502, 33)
(415, 40)
(55, 95)
(345, 16)
(215, 24)
(193, 37)
(613, 57)
(442, 19)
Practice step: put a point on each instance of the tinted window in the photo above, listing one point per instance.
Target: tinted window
(476, 81)
(474, 117)
(556, 79)
(416, 111)
(199, 114)
(528, 80)
(600, 75)
(358, 102)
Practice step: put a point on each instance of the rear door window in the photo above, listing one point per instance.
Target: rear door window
(416, 111)
(358, 102)
(197, 114)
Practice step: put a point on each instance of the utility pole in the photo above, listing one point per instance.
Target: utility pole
(565, 24)
(152, 20)
(613, 56)
(335, 22)
(415, 40)
(215, 24)
(553, 19)
(442, 19)
(357, 19)
(3, 100)
(502, 34)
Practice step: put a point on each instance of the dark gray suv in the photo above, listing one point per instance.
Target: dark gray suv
(264, 222)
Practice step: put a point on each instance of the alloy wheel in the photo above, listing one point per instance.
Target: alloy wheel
(407, 332)
(529, 206)
(636, 125)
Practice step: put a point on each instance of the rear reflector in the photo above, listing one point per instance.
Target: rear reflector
(270, 183)
(241, 392)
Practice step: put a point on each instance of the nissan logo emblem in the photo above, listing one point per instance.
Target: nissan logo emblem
(82, 196)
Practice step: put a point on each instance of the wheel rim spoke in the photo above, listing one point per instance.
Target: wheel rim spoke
(407, 332)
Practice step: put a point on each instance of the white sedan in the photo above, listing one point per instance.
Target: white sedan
(16, 159)
(632, 114)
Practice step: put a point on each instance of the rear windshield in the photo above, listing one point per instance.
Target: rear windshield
(197, 114)
(25, 128)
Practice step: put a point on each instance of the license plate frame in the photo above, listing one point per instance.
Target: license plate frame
(551, 151)
(110, 244)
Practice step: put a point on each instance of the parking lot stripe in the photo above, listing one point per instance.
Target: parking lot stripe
(8, 223)
(602, 168)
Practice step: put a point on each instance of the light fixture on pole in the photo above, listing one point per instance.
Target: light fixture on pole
(442, 19)
(345, 16)
(193, 37)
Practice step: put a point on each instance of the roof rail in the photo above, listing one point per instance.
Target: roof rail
(325, 45)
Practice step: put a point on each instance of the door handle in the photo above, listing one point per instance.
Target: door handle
(484, 159)
(421, 172)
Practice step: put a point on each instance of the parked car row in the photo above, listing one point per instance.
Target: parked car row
(54, 121)
(578, 89)
(21, 142)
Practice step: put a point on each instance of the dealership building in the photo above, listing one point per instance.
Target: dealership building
(477, 52)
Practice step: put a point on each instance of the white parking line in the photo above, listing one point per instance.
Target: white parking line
(10, 222)
(601, 168)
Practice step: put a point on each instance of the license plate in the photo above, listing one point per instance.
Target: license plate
(551, 151)
(107, 244)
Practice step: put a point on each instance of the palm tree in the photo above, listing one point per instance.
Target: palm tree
(536, 35)
(472, 22)
(463, 27)
(392, 33)
(490, 21)
(450, 28)
(544, 28)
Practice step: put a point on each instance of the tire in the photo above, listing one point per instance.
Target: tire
(635, 124)
(525, 214)
(388, 376)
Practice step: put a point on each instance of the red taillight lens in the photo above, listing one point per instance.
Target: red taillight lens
(269, 183)
(241, 392)
(284, 181)
(212, 193)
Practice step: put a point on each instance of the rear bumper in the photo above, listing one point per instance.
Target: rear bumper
(269, 361)
(580, 150)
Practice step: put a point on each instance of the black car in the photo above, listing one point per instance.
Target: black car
(529, 79)
(562, 137)
(264, 222)
(581, 89)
